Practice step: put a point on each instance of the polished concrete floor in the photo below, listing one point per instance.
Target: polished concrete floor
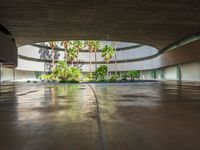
(117, 116)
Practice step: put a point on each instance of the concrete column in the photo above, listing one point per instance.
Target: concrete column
(13, 73)
(162, 74)
(0, 72)
(179, 74)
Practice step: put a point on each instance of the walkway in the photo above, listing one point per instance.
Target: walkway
(129, 116)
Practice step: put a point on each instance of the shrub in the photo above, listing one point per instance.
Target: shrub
(133, 74)
(124, 76)
(101, 72)
(90, 76)
(69, 81)
(63, 73)
(114, 78)
(45, 77)
(74, 73)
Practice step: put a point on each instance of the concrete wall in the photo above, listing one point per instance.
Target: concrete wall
(170, 73)
(6, 74)
(27, 65)
(10, 74)
(149, 74)
(25, 75)
(191, 71)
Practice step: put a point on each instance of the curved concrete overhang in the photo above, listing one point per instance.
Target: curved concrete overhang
(182, 53)
(8, 51)
(125, 52)
(155, 23)
(181, 44)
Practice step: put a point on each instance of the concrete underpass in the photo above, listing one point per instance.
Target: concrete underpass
(158, 111)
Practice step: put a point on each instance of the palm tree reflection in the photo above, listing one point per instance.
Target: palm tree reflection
(74, 101)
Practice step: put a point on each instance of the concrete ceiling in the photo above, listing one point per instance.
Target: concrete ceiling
(154, 22)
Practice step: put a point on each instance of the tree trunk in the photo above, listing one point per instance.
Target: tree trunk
(53, 61)
(90, 64)
(65, 55)
(115, 61)
(95, 60)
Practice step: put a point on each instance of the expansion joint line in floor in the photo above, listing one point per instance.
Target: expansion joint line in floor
(101, 138)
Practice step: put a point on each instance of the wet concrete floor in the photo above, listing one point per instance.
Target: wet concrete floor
(115, 116)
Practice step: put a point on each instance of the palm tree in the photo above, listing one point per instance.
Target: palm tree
(90, 49)
(53, 44)
(65, 45)
(96, 47)
(72, 52)
(78, 45)
(93, 46)
(114, 44)
(72, 55)
(107, 52)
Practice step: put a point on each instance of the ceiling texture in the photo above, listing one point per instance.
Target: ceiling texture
(158, 23)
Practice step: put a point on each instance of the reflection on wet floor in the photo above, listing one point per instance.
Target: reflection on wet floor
(143, 115)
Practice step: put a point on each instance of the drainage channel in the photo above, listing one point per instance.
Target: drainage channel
(101, 139)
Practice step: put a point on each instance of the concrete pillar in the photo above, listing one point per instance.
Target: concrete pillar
(0, 72)
(13, 73)
(179, 74)
(162, 74)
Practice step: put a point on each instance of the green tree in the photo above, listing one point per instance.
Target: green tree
(101, 72)
(78, 45)
(72, 55)
(63, 73)
(75, 73)
(60, 72)
(72, 52)
(133, 74)
(93, 46)
(107, 52)
(124, 76)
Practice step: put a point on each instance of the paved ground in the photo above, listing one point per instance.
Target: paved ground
(129, 116)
